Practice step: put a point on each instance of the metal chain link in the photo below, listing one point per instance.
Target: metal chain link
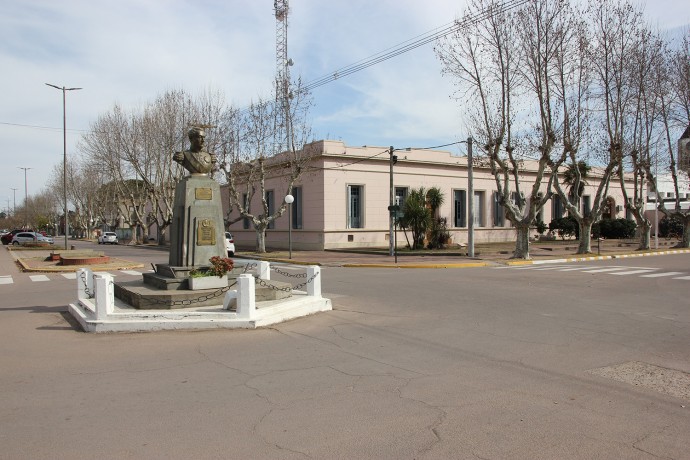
(289, 275)
(187, 302)
(89, 294)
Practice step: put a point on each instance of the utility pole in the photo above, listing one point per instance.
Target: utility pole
(391, 211)
(470, 199)
(26, 198)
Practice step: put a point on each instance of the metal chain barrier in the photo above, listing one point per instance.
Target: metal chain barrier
(188, 302)
(289, 275)
(89, 294)
(263, 283)
(203, 298)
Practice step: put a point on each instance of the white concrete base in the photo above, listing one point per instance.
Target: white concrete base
(97, 309)
(128, 319)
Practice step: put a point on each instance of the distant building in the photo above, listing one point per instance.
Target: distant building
(342, 200)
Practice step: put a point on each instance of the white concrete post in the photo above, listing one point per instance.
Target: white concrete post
(105, 295)
(264, 270)
(246, 296)
(84, 283)
(314, 286)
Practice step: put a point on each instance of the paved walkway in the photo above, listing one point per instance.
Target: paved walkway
(497, 254)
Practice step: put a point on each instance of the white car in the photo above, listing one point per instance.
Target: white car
(30, 237)
(229, 244)
(108, 238)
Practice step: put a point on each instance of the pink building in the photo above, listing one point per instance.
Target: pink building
(342, 199)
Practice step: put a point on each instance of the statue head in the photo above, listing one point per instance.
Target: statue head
(196, 137)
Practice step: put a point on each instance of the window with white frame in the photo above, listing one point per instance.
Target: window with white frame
(245, 200)
(556, 207)
(355, 206)
(459, 208)
(478, 209)
(498, 211)
(586, 205)
(400, 195)
(297, 208)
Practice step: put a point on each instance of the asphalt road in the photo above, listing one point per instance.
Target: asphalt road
(560, 361)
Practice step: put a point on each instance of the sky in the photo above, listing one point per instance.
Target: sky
(129, 51)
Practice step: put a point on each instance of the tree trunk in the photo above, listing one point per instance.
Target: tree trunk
(260, 239)
(585, 246)
(685, 240)
(161, 235)
(645, 238)
(522, 243)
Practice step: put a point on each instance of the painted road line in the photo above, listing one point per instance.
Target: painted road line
(682, 278)
(69, 276)
(659, 275)
(604, 270)
(7, 279)
(572, 269)
(39, 278)
(632, 272)
(130, 272)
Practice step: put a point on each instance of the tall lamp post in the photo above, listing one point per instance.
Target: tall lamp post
(14, 203)
(64, 147)
(289, 199)
(26, 198)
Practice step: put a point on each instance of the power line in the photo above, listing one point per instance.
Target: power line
(413, 43)
(381, 56)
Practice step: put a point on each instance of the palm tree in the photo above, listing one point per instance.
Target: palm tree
(570, 177)
(416, 216)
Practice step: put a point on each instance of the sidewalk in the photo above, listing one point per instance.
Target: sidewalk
(485, 255)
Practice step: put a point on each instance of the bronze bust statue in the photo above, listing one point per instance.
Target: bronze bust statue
(196, 160)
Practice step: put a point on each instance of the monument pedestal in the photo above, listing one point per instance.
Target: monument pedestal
(197, 230)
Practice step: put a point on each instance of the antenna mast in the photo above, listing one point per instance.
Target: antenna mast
(282, 119)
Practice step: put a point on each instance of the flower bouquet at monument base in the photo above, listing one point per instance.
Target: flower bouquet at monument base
(220, 266)
(211, 277)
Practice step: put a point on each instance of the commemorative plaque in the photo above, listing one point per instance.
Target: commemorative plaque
(203, 193)
(206, 233)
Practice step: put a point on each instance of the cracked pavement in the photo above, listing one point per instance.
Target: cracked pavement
(419, 364)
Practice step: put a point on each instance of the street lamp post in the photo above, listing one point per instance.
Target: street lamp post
(289, 199)
(64, 150)
(26, 198)
(14, 202)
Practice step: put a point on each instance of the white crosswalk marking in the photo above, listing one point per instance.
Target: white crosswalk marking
(69, 276)
(632, 272)
(659, 275)
(682, 278)
(572, 269)
(604, 270)
(6, 279)
(39, 278)
(130, 272)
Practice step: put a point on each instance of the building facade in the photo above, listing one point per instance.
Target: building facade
(342, 199)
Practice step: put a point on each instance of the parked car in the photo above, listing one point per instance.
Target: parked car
(108, 238)
(30, 237)
(229, 244)
(7, 237)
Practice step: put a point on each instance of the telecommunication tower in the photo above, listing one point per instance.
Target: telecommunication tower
(282, 118)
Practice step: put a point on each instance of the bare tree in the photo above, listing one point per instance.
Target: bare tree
(674, 115)
(646, 59)
(518, 73)
(248, 156)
